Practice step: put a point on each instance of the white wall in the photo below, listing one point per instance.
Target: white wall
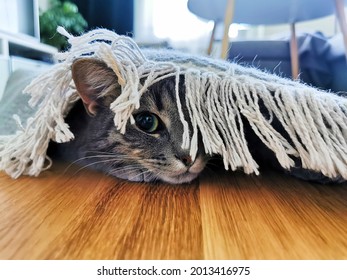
(44, 4)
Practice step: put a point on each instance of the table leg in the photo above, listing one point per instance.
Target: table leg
(294, 55)
(209, 50)
(341, 18)
(229, 13)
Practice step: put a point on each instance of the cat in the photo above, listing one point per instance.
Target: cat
(150, 150)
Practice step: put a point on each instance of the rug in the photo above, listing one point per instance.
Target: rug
(220, 95)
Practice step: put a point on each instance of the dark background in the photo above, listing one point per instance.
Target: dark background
(116, 15)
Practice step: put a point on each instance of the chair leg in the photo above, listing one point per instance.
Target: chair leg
(210, 45)
(341, 18)
(294, 55)
(229, 13)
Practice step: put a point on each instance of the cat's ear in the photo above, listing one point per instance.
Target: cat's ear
(93, 79)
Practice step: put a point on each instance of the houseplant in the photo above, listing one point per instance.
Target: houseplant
(60, 13)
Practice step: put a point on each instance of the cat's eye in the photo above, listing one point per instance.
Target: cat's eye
(147, 122)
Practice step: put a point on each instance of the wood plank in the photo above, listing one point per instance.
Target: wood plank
(71, 214)
(272, 217)
(87, 215)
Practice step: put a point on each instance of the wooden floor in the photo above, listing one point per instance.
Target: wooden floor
(87, 215)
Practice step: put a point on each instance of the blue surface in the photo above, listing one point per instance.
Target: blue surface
(257, 12)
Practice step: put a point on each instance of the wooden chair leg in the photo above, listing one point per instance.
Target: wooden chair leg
(210, 45)
(294, 55)
(229, 13)
(341, 18)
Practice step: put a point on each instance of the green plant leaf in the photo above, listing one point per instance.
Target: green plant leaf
(60, 14)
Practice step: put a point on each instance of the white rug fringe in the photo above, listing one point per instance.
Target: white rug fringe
(218, 96)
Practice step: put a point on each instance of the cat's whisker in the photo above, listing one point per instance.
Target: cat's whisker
(130, 168)
(157, 172)
(80, 159)
(84, 158)
(135, 169)
(90, 164)
(112, 155)
(113, 159)
(157, 175)
(90, 157)
(143, 173)
(99, 152)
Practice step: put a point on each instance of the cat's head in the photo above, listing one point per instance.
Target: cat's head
(151, 148)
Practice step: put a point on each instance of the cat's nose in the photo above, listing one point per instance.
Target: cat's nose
(186, 160)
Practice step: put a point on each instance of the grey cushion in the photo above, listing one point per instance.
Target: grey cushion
(14, 101)
(322, 59)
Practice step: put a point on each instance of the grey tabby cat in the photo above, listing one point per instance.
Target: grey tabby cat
(150, 150)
